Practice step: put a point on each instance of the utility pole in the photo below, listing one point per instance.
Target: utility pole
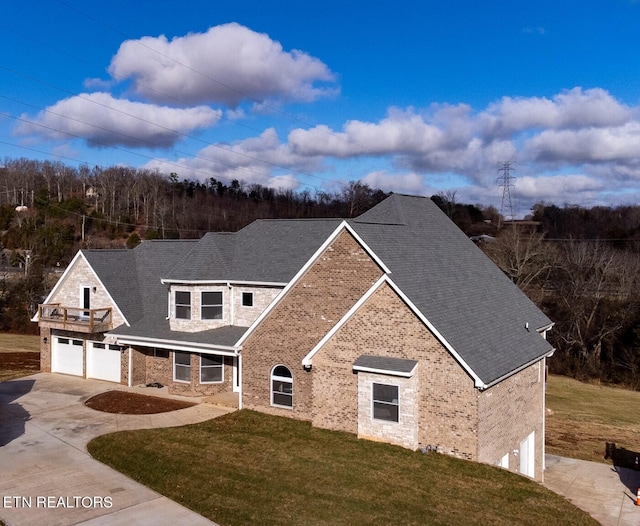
(506, 182)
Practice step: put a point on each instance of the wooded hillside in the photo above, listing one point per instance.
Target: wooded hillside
(581, 266)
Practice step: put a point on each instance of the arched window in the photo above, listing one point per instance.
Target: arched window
(281, 386)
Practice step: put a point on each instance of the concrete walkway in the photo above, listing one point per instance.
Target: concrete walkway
(606, 492)
(46, 474)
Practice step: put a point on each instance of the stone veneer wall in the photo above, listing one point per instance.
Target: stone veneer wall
(385, 326)
(69, 291)
(233, 313)
(404, 432)
(327, 290)
(508, 413)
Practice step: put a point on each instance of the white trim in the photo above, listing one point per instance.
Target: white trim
(78, 255)
(373, 401)
(239, 365)
(177, 345)
(386, 372)
(478, 383)
(287, 379)
(221, 282)
(129, 379)
(334, 235)
(306, 361)
(210, 367)
(182, 365)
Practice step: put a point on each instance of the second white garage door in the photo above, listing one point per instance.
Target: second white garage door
(103, 361)
(67, 356)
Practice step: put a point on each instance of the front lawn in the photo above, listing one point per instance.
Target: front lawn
(251, 468)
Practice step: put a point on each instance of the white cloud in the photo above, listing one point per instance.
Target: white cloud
(588, 145)
(409, 183)
(103, 120)
(227, 64)
(254, 160)
(570, 109)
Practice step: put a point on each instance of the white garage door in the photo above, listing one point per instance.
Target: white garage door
(103, 361)
(67, 356)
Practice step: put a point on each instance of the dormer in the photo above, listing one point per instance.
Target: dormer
(204, 306)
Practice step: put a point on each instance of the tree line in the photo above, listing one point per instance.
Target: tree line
(579, 265)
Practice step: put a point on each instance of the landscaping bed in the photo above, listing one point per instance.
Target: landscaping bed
(124, 402)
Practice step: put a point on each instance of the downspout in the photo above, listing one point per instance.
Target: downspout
(130, 381)
(543, 372)
(239, 373)
(232, 314)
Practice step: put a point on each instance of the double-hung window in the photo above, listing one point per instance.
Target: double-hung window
(183, 304)
(385, 402)
(182, 366)
(211, 306)
(211, 369)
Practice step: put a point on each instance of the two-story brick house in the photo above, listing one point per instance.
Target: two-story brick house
(393, 326)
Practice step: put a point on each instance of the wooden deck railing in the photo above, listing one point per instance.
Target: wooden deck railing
(74, 318)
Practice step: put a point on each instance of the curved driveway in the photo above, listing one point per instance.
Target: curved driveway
(46, 474)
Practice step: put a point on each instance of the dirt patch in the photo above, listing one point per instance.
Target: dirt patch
(126, 403)
(20, 360)
(18, 364)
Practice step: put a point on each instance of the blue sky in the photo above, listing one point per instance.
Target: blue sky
(417, 97)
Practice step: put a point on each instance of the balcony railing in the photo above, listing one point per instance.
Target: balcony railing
(56, 316)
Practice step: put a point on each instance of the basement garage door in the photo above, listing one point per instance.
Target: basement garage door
(67, 356)
(103, 361)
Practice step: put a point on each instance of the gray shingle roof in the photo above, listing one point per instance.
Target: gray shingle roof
(265, 251)
(383, 363)
(466, 298)
(132, 277)
(469, 301)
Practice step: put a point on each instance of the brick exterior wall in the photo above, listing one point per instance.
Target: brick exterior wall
(327, 290)
(45, 349)
(385, 326)
(148, 368)
(508, 413)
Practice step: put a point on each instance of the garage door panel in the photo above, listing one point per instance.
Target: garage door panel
(67, 356)
(103, 362)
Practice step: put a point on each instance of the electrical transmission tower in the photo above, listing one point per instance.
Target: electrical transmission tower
(506, 181)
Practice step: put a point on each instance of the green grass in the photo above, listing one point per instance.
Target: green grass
(583, 417)
(251, 468)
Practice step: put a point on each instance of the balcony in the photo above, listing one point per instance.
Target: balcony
(55, 316)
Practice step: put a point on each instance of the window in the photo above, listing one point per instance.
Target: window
(181, 366)
(99, 345)
(183, 305)
(160, 353)
(211, 369)
(385, 402)
(281, 387)
(211, 308)
(247, 299)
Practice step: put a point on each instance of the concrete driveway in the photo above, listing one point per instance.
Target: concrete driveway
(46, 474)
(606, 492)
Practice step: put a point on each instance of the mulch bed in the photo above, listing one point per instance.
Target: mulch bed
(125, 403)
(20, 360)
